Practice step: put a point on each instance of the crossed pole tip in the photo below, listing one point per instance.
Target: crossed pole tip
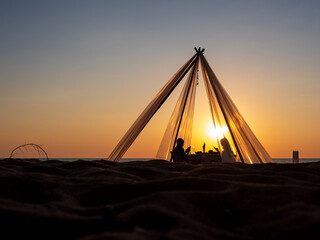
(199, 50)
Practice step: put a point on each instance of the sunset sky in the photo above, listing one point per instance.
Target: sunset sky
(74, 75)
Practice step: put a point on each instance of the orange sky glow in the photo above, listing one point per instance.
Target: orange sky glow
(75, 83)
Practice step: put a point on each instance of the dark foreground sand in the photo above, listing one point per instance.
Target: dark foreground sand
(158, 200)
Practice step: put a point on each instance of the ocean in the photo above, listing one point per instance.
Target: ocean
(276, 160)
(301, 160)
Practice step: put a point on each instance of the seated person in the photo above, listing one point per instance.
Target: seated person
(227, 155)
(178, 153)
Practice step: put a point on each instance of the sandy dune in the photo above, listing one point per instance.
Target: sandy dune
(158, 200)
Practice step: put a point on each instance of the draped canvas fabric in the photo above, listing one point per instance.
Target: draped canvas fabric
(149, 111)
(248, 147)
(239, 139)
(180, 124)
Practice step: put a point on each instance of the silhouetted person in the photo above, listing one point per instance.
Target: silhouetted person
(227, 153)
(179, 155)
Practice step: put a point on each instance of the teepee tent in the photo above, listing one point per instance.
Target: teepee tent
(242, 141)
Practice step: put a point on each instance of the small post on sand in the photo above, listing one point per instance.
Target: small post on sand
(295, 157)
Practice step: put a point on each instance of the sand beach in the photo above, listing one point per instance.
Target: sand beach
(158, 200)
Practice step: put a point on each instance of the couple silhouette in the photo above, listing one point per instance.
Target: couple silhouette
(179, 155)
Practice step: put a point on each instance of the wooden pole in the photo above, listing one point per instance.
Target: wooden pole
(295, 157)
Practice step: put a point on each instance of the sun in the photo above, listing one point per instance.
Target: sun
(216, 132)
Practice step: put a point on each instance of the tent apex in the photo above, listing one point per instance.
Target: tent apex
(199, 50)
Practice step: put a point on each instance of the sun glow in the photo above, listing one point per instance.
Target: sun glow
(216, 132)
